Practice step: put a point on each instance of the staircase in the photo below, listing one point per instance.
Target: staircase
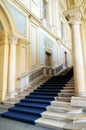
(66, 92)
(58, 113)
(49, 101)
(61, 115)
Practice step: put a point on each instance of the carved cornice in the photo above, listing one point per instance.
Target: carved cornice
(23, 41)
(34, 19)
(74, 16)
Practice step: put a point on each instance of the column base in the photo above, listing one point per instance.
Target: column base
(11, 94)
(79, 101)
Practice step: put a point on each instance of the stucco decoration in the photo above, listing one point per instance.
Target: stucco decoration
(48, 43)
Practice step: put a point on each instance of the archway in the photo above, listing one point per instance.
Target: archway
(6, 28)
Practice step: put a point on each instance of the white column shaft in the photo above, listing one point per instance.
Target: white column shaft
(12, 68)
(78, 61)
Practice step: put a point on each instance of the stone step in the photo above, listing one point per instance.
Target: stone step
(3, 108)
(9, 103)
(66, 94)
(60, 103)
(57, 116)
(69, 85)
(30, 89)
(80, 118)
(65, 99)
(72, 78)
(70, 82)
(71, 88)
(50, 123)
(69, 117)
(64, 109)
(75, 126)
(67, 90)
(23, 94)
(60, 125)
(12, 101)
(60, 116)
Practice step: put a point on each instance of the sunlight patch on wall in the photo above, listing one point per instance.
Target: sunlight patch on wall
(19, 19)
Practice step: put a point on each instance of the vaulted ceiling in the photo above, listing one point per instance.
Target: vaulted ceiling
(77, 3)
(74, 3)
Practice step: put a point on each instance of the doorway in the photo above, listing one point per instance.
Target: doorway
(48, 59)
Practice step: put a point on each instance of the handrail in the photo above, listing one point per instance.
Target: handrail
(35, 74)
(30, 72)
(49, 71)
(55, 67)
(35, 70)
(52, 71)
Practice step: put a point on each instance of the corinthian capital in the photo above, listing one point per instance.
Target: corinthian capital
(12, 39)
(73, 16)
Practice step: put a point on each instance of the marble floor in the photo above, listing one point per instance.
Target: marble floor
(6, 124)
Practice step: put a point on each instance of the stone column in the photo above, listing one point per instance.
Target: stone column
(12, 66)
(78, 60)
(74, 18)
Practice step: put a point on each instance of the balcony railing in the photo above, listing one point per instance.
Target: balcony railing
(34, 76)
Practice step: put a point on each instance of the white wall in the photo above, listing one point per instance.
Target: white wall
(48, 43)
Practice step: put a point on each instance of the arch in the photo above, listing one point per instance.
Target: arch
(8, 28)
(6, 19)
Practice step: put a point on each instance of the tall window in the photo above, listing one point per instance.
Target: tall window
(62, 30)
(44, 9)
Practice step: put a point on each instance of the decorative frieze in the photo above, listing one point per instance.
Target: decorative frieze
(23, 41)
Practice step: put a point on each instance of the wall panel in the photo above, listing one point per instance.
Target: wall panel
(33, 45)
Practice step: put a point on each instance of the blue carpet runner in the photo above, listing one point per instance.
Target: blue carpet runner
(30, 108)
